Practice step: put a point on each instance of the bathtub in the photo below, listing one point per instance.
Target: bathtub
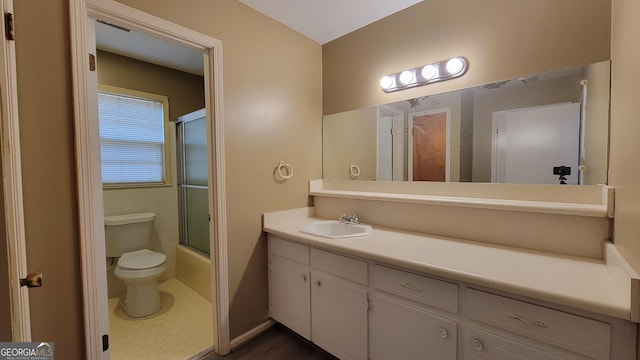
(194, 270)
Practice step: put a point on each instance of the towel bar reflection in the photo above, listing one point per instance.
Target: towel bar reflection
(354, 170)
(285, 170)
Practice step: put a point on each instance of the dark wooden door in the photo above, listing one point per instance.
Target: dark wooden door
(430, 147)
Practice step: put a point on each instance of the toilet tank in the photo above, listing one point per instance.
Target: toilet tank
(129, 232)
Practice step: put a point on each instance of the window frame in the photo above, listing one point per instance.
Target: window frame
(102, 88)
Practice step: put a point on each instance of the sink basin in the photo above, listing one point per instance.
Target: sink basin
(333, 229)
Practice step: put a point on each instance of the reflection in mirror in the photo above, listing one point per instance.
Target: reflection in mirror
(549, 128)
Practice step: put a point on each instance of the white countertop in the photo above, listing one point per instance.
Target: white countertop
(582, 283)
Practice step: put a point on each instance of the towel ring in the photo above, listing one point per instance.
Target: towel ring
(285, 170)
(354, 170)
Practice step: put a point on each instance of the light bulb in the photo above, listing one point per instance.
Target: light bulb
(429, 72)
(386, 82)
(407, 77)
(454, 66)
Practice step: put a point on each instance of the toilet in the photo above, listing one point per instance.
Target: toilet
(127, 238)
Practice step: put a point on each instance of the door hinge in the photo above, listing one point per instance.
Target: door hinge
(105, 342)
(9, 27)
(92, 62)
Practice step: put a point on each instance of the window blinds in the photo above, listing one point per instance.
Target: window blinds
(131, 139)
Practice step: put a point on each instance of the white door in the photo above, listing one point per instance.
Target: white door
(16, 256)
(339, 313)
(528, 143)
(402, 331)
(290, 295)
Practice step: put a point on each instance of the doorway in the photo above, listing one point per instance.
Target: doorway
(429, 146)
(88, 160)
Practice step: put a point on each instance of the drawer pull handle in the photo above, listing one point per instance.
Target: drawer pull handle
(303, 278)
(404, 284)
(528, 322)
(477, 344)
(316, 283)
(443, 333)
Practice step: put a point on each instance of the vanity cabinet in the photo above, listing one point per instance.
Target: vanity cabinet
(402, 320)
(339, 304)
(400, 330)
(580, 335)
(321, 296)
(360, 309)
(289, 285)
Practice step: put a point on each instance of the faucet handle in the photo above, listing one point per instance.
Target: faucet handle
(349, 219)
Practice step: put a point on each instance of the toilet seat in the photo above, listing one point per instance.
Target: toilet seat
(141, 260)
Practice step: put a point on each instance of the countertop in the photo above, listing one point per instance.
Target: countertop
(582, 283)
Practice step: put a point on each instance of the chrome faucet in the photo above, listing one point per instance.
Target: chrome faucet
(349, 219)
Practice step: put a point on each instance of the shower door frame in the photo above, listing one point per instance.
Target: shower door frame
(182, 176)
(89, 183)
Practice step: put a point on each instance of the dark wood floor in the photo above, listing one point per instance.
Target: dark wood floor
(277, 343)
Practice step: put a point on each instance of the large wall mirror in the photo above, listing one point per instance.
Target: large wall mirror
(549, 128)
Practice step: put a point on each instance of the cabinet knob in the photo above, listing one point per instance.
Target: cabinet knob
(443, 333)
(477, 344)
(303, 278)
(316, 283)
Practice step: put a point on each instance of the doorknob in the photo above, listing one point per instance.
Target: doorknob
(32, 280)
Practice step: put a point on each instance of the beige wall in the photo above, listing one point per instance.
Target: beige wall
(502, 39)
(624, 167)
(272, 108)
(186, 94)
(185, 91)
(48, 169)
(350, 138)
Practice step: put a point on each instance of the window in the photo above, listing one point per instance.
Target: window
(133, 130)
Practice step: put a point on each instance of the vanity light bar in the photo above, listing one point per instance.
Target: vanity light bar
(440, 71)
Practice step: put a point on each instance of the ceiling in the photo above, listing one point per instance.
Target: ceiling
(327, 20)
(319, 20)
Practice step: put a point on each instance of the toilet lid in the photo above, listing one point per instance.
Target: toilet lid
(141, 259)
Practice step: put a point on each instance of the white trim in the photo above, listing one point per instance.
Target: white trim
(447, 112)
(441, 197)
(12, 189)
(87, 154)
(238, 341)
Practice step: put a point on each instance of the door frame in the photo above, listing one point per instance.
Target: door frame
(90, 202)
(12, 187)
(447, 112)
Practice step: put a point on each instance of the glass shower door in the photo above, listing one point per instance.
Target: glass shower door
(193, 181)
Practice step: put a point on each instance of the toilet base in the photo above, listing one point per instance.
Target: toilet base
(143, 299)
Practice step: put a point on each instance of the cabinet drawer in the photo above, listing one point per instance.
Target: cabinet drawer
(339, 265)
(290, 250)
(572, 332)
(483, 345)
(437, 293)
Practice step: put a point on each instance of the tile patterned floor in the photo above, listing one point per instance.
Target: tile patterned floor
(180, 329)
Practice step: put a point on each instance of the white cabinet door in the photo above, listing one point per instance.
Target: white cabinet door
(400, 331)
(290, 295)
(339, 312)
